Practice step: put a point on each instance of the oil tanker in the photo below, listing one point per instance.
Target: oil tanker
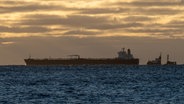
(124, 58)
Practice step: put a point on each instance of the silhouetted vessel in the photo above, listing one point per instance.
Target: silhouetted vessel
(124, 58)
(157, 61)
(170, 62)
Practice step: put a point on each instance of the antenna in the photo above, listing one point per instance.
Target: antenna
(123, 49)
(160, 58)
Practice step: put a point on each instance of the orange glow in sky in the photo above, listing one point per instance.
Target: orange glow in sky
(47, 27)
(97, 18)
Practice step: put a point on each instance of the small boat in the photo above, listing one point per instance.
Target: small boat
(157, 61)
(170, 62)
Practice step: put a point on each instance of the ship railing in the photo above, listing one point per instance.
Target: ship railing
(71, 58)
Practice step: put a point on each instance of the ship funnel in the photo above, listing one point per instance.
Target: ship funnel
(160, 57)
(167, 58)
(129, 51)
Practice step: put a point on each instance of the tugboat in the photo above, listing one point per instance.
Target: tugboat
(170, 62)
(124, 58)
(157, 61)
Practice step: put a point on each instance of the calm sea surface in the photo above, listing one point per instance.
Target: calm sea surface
(92, 85)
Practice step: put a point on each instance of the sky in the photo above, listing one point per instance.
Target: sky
(91, 28)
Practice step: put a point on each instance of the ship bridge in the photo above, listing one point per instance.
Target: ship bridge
(125, 54)
(74, 56)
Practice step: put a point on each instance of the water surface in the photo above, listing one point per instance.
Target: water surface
(101, 84)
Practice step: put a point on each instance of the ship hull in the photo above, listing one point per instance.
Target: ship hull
(56, 62)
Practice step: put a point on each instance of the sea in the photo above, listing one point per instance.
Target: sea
(92, 84)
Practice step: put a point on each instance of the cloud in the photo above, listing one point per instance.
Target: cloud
(160, 31)
(158, 11)
(103, 10)
(152, 31)
(23, 29)
(88, 22)
(71, 20)
(141, 7)
(81, 32)
(93, 17)
(22, 6)
(130, 24)
(138, 18)
(151, 3)
(151, 7)
(176, 23)
(116, 26)
(7, 43)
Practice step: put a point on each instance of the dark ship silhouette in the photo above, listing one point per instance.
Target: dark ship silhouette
(158, 61)
(124, 58)
(170, 62)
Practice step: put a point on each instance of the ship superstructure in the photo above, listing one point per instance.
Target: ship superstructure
(125, 55)
(157, 61)
(170, 62)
